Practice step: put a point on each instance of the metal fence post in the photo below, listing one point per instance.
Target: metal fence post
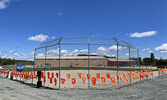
(117, 59)
(33, 64)
(130, 65)
(45, 62)
(118, 64)
(59, 43)
(88, 60)
(146, 67)
(59, 65)
(138, 61)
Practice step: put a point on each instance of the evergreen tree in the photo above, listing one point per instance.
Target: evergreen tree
(152, 58)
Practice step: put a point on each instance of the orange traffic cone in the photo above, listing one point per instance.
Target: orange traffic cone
(112, 80)
(63, 80)
(98, 75)
(108, 75)
(79, 74)
(68, 75)
(103, 79)
(84, 79)
(55, 80)
(93, 81)
(73, 81)
(88, 76)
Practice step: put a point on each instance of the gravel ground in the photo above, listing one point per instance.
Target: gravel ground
(155, 89)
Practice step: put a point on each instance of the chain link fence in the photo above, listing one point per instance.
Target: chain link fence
(85, 62)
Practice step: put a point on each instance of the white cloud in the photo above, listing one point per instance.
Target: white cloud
(108, 51)
(5, 56)
(3, 4)
(75, 52)
(39, 38)
(101, 50)
(53, 37)
(53, 52)
(109, 55)
(143, 34)
(114, 48)
(127, 54)
(147, 50)
(29, 56)
(64, 53)
(59, 14)
(56, 52)
(93, 54)
(113, 55)
(12, 54)
(83, 51)
(11, 51)
(105, 51)
(162, 48)
(163, 51)
(40, 54)
(15, 54)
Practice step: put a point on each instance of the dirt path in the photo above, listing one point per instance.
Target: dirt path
(155, 89)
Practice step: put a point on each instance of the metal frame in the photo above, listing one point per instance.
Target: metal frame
(88, 43)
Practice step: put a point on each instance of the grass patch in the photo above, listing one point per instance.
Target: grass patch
(13, 67)
(78, 68)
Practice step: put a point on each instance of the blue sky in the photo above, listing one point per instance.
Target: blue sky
(25, 23)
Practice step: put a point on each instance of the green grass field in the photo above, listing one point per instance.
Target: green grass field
(13, 67)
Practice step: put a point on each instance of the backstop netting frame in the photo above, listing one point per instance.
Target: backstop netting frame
(88, 42)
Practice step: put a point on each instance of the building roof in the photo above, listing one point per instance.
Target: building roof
(71, 57)
(120, 59)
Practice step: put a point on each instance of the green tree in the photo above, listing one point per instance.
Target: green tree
(152, 58)
(147, 61)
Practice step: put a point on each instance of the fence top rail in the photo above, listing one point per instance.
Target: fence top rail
(77, 38)
(125, 43)
(48, 43)
(86, 41)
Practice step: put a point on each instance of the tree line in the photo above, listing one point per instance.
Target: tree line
(8, 61)
(153, 61)
(145, 61)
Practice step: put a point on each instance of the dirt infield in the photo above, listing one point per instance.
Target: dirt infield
(154, 89)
